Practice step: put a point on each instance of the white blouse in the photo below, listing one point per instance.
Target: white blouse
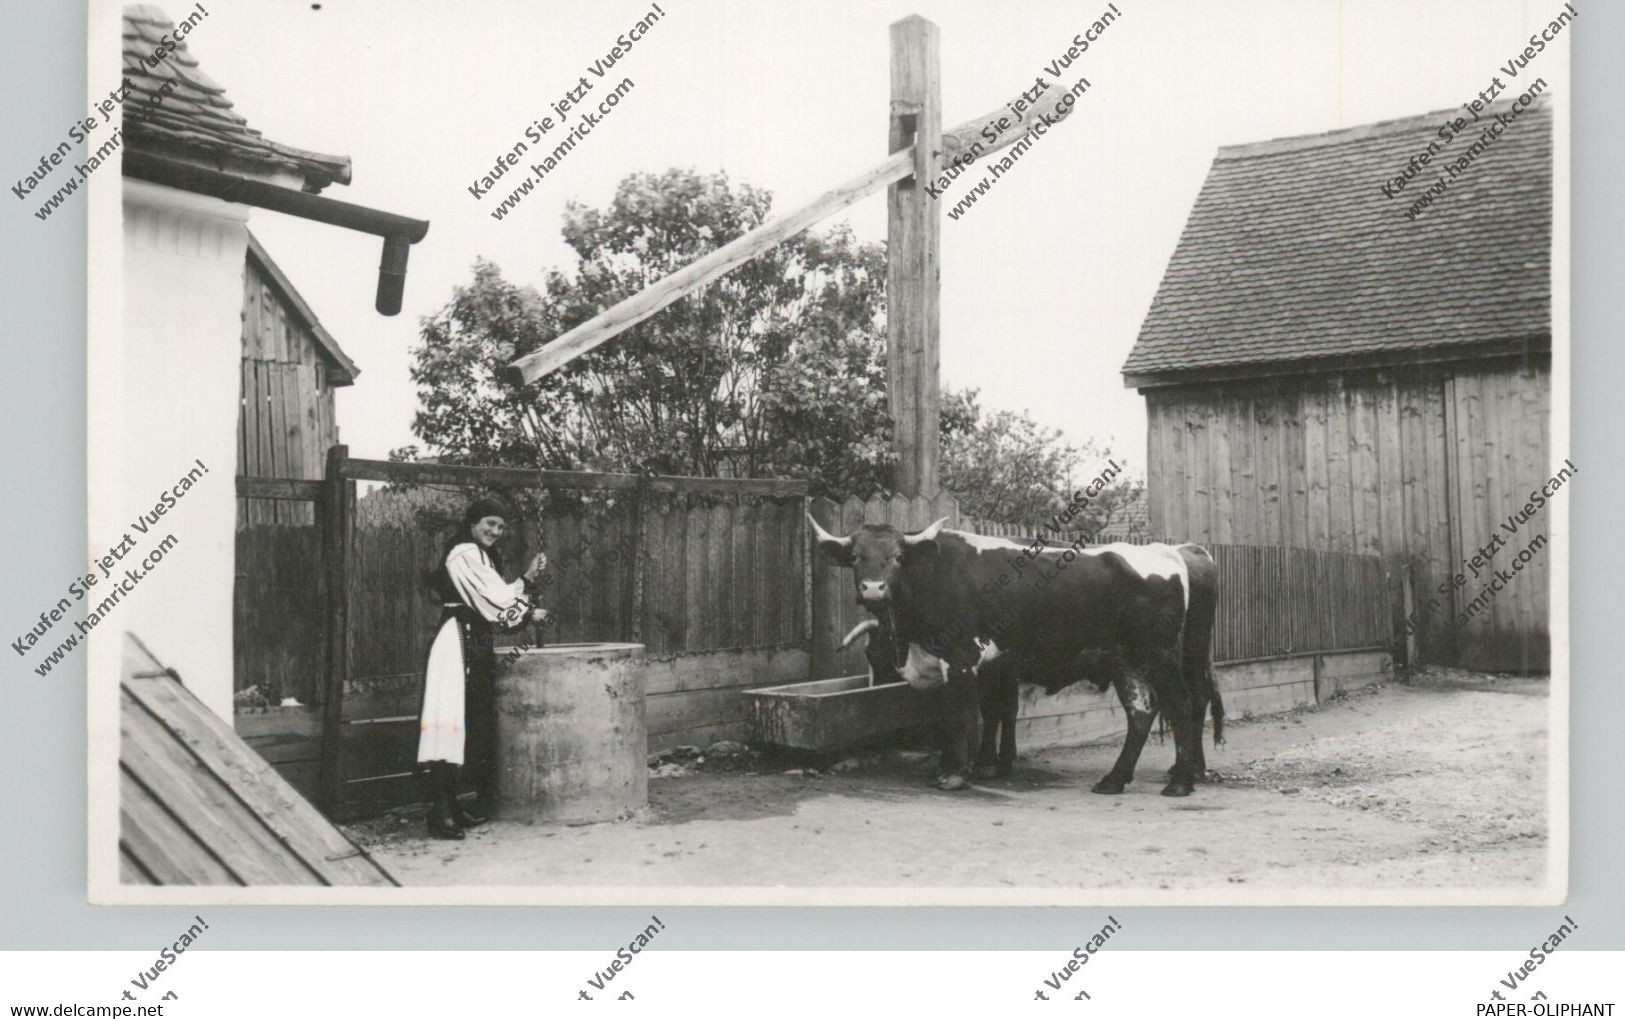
(483, 589)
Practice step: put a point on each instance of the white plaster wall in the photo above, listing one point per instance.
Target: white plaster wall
(183, 295)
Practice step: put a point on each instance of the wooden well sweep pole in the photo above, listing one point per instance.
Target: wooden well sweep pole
(913, 258)
(913, 160)
(628, 313)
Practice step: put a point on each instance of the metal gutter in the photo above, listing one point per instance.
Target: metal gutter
(399, 232)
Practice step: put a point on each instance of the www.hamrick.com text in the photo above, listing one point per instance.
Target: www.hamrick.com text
(120, 554)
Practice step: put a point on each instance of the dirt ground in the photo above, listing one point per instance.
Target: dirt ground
(1440, 784)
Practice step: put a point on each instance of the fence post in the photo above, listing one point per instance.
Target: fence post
(822, 616)
(338, 533)
(637, 561)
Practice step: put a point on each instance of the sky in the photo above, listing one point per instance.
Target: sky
(1044, 282)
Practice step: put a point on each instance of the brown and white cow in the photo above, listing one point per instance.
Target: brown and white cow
(1136, 617)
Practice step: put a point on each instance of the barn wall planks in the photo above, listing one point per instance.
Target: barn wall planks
(1417, 466)
(286, 423)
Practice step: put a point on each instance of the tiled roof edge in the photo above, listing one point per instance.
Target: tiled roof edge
(1402, 125)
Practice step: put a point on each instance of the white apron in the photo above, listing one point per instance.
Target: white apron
(441, 723)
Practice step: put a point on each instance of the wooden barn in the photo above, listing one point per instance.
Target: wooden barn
(291, 368)
(1322, 371)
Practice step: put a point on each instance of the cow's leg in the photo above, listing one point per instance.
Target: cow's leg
(996, 757)
(992, 727)
(1181, 706)
(1009, 706)
(1134, 690)
(1199, 706)
(960, 712)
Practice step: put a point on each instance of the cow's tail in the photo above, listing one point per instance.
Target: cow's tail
(1218, 707)
(1203, 574)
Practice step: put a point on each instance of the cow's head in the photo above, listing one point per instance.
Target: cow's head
(875, 553)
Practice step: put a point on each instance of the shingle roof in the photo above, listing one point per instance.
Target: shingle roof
(197, 117)
(1293, 252)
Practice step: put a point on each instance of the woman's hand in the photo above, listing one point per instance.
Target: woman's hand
(541, 615)
(537, 565)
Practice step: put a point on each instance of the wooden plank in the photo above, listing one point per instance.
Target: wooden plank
(1268, 528)
(899, 165)
(162, 847)
(251, 779)
(293, 415)
(1229, 457)
(1294, 473)
(130, 871)
(743, 567)
(1392, 542)
(1318, 486)
(266, 431)
(279, 488)
(719, 602)
(1155, 469)
(729, 668)
(1176, 508)
(1244, 472)
(1339, 471)
(823, 582)
(277, 410)
(696, 588)
(509, 477)
(1200, 466)
(611, 322)
(913, 262)
(339, 532)
(1364, 495)
(197, 797)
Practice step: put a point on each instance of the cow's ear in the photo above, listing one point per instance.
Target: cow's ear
(925, 536)
(839, 550)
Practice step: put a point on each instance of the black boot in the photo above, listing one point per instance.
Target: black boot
(441, 823)
(464, 815)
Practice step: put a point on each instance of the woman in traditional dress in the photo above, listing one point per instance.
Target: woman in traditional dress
(457, 722)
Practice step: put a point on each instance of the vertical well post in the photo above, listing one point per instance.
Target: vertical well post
(338, 543)
(913, 257)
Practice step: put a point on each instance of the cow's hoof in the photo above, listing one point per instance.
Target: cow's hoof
(1178, 789)
(952, 783)
(1108, 786)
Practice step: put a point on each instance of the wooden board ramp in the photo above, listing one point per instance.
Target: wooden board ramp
(197, 806)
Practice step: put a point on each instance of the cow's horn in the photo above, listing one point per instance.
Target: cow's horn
(824, 537)
(929, 534)
(859, 630)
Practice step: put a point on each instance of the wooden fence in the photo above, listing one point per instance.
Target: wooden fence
(685, 566)
(1273, 602)
(333, 619)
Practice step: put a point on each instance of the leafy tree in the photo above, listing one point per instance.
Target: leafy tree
(1005, 466)
(777, 369)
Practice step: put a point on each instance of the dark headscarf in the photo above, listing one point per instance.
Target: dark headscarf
(479, 509)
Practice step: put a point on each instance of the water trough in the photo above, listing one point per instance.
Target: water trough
(824, 715)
